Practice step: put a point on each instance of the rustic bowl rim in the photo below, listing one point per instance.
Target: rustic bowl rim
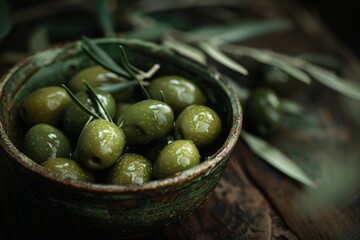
(220, 155)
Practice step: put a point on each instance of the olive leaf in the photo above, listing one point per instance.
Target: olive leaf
(341, 85)
(276, 158)
(116, 87)
(80, 104)
(242, 31)
(291, 107)
(267, 57)
(5, 19)
(298, 68)
(323, 60)
(220, 57)
(101, 109)
(185, 50)
(104, 18)
(101, 57)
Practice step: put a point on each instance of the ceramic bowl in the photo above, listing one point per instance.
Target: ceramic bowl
(114, 209)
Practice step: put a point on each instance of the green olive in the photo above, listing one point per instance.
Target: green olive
(179, 92)
(43, 142)
(95, 75)
(146, 121)
(176, 157)
(100, 144)
(275, 78)
(75, 118)
(68, 168)
(199, 124)
(45, 105)
(131, 168)
(98, 76)
(263, 113)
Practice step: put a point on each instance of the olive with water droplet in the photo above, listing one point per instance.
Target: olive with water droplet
(43, 142)
(199, 124)
(131, 168)
(175, 157)
(69, 168)
(146, 121)
(45, 105)
(179, 92)
(100, 144)
(75, 118)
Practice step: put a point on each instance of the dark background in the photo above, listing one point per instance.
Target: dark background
(342, 17)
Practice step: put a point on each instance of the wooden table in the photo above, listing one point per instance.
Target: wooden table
(255, 201)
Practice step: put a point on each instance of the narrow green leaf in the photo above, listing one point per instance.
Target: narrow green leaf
(186, 50)
(131, 68)
(276, 158)
(291, 107)
(5, 19)
(270, 58)
(102, 58)
(323, 60)
(242, 31)
(341, 85)
(117, 87)
(220, 57)
(80, 104)
(100, 106)
(105, 18)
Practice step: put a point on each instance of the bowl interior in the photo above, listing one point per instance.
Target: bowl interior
(55, 66)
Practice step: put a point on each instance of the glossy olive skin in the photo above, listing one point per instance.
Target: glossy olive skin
(95, 75)
(69, 168)
(100, 145)
(43, 141)
(263, 114)
(75, 118)
(176, 157)
(45, 105)
(131, 168)
(179, 92)
(199, 124)
(275, 78)
(146, 121)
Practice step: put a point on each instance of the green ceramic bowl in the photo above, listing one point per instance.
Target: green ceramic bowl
(111, 208)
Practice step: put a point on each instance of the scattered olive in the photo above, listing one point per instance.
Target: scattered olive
(68, 168)
(146, 121)
(45, 105)
(199, 124)
(130, 169)
(275, 78)
(100, 144)
(152, 150)
(178, 91)
(175, 157)
(263, 113)
(43, 142)
(75, 118)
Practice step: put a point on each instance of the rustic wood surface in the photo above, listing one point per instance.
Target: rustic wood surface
(253, 200)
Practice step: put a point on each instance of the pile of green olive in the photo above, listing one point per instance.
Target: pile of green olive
(143, 139)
